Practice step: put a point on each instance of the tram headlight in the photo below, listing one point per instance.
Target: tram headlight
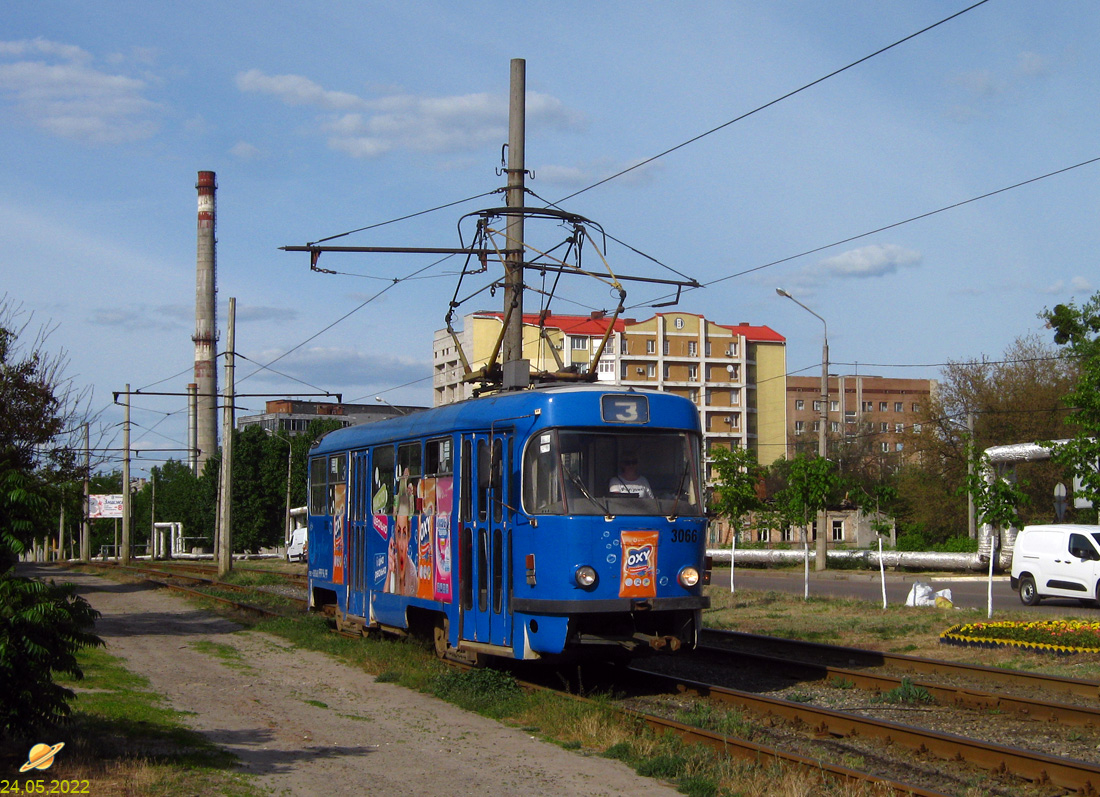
(586, 576)
(689, 577)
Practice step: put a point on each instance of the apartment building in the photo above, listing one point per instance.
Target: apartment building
(876, 410)
(734, 373)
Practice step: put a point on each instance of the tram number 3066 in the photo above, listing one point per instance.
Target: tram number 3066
(685, 535)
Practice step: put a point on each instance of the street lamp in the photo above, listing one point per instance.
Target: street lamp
(400, 411)
(822, 543)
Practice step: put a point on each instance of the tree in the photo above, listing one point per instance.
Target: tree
(259, 489)
(998, 500)
(1077, 330)
(810, 483)
(739, 478)
(42, 626)
(1017, 399)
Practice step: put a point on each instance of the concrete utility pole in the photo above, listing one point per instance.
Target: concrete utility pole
(822, 544)
(225, 494)
(85, 531)
(61, 530)
(124, 558)
(971, 518)
(512, 344)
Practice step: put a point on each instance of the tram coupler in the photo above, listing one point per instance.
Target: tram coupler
(667, 642)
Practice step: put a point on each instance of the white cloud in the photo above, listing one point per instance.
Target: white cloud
(132, 318)
(63, 94)
(1031, 65)
(344, 368)
(875, 260)
(563, 175)
(257, 312)
(1077, 285)
(368, 128)
(245, 151)
(40, 46)
(981, 82)
(296, 90)
(592, 172)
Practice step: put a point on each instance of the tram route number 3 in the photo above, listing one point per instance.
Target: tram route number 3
(685, 535)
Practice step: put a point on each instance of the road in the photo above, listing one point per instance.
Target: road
(968, 591)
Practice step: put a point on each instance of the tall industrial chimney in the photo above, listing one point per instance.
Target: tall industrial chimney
(206, 327)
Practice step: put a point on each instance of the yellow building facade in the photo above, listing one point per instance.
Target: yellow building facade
(734, 374)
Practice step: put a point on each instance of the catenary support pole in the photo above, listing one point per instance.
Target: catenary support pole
(124, 557)
(512, 346)
(85, 531)
(225, 547)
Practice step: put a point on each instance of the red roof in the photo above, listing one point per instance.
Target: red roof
(570, 324)
(757, 333)
(586, 325)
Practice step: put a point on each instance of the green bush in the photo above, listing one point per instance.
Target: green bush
(42, 626)
(911, 541)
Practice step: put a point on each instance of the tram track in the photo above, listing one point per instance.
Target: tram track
(161, 576)
(817, 653)
(295, 579)
(837, 729)
(723, 745)
(745, 749)
(966, 697)
(816, 723)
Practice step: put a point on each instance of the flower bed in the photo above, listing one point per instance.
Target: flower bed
(1054, 636)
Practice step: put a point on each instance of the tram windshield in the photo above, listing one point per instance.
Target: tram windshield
(576, 472)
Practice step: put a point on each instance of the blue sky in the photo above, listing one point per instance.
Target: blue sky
(326, 117)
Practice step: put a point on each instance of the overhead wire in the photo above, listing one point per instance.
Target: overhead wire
(668, 151)
(775, 101)
(633, 167)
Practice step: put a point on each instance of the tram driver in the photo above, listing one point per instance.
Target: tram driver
(628, 481)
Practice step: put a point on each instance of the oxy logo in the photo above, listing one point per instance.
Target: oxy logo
(639, 559)
(639, 564)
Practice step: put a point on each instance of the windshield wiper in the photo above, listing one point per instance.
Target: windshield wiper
(579, 483)
(679, 492)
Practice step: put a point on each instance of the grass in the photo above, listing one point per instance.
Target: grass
(227, 654)
(108, 717)
(897, 629)
(123, 739)
(905, 694)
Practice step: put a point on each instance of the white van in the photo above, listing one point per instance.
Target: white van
(1061, 561)
(297, 545)
(298, 549)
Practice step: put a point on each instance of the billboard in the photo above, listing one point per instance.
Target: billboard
(100, 506)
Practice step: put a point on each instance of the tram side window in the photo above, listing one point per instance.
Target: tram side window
(317, 495)
(542, 477)
(484, 473)
(497, 487)
(408, 473)
(357, 499)
(438, 459)
(337, 474)
(382, 481)
(466, 492)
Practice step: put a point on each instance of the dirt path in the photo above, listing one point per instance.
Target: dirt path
(371, 738)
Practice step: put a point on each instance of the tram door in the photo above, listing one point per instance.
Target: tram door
(359, 520)
(485, 539)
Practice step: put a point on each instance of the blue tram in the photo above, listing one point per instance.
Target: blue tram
(521, 525)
